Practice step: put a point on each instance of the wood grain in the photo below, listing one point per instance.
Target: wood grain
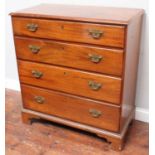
(93, 14)
(131, 68)
(116, 139)
(70, 31)
(49, 138)
(71, 55)
(71, 81)
(71, 107)
(67, 75)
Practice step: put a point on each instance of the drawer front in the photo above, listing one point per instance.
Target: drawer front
(80, 83)
(91, 58)
(77, 109)
(99, 34)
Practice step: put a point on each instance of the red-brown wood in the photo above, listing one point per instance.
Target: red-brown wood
(93, 14)
(71, 81)
(130, 68)
(69, 74)
(71, 107)
(70, 31)
(52, 139)
(71, 55)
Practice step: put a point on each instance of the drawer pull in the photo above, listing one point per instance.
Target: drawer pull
(95, 58)
(34, 49)
(96, 34)
(32, 27)
(39, 99)
(94, 86)
(37, 74)
(95, 113)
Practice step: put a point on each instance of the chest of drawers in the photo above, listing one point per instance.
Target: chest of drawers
(77, 66)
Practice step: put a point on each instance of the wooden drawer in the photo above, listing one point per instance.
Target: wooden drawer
(82, 110)
(91, 58)
(86, 84)
(99, 34)
(78, 66)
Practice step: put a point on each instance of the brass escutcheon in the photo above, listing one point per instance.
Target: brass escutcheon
(96, 34)
(32, 27)
(34, 49)
(37, 74)
(39, 99)
(95, 113)
(95, 58)
(94, 85)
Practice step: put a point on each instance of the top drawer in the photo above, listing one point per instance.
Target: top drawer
(99, 34)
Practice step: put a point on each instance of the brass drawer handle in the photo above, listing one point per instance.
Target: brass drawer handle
(37, 74)
(95, 113)
(34, 49)
(94, 85)
(39, 99)
(96, 34)
(32, 27)
(95, 58)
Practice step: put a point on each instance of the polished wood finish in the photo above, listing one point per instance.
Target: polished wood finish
(48, 138)
(93, 14)
(116, 140)
(71, 55)
(71, 81)
(87, 63)
(130, 67)
(70, 31)
(72, 108)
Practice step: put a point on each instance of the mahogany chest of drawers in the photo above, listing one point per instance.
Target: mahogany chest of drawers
(77, 66)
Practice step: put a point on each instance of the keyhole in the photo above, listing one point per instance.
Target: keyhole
(62, 27)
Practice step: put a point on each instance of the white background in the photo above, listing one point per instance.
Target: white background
(142, 97)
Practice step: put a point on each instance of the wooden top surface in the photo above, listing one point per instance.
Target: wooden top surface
(95, 14)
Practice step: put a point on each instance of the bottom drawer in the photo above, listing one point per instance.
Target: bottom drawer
(86, 111)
